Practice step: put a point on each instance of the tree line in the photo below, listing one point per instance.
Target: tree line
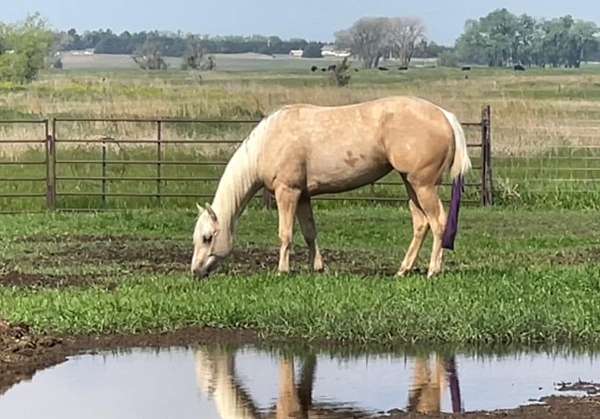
(499, 39)
(176, 44)
(503, 39)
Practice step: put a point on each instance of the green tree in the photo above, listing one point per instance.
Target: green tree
(490, 40)
(501, 39)
(313, 50)
(582, 39)
(341, 74)
(24, 49)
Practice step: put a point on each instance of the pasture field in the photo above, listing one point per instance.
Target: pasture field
(545, 122)
(517, 277)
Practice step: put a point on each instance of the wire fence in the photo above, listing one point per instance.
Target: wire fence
(87, 164)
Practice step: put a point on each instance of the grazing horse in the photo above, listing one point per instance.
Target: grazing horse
(302, 150)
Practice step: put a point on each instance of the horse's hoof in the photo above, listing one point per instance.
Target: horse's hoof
(402, 273)
(431, 275)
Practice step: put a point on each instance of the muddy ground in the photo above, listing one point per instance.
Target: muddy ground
(23, 353)
(120, 256)
(102, 260)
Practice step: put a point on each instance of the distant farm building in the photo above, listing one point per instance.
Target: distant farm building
(89, 51)
(330, 51)
(296, 53)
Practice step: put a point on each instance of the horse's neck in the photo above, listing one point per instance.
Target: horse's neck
(237, 186)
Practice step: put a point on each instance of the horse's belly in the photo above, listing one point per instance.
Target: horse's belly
(340, 177)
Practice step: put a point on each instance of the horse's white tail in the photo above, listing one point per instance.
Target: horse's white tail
(461, 163)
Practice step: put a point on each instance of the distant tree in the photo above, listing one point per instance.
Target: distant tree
(341, 73)
(29, 44)
(194, 53)
(367, 39)
(404, 34)
(210, 64)
(448, 59)
(490, 39)
(425, 49)
(148, 57)
(313, 50)
(582, 41)
(503, 39)
(57, 63)
(373, 38)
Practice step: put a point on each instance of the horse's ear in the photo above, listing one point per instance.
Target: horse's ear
(200, 209)
(212, 214)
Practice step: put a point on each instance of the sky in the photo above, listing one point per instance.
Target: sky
(309, 19)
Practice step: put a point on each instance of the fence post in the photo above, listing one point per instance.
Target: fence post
(50, 166)
(103, 174)
(158, 158)
(487, 193)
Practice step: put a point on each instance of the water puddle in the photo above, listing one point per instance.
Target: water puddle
(253, 382)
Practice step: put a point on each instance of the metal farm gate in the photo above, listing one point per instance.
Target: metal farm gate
(89, 164)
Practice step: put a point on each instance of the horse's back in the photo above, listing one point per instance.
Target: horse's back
(331, 149)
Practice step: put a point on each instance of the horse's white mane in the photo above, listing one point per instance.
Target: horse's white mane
(240, 176)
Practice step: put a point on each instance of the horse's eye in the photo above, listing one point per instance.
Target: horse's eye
(206, 239)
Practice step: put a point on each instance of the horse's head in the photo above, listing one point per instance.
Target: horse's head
(206, 249)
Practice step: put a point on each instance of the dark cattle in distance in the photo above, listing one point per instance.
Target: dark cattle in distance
(332, 67)
(466, 68)
(383, 69)
(323, 69)
(403, 68)
(519, 67)
(314, 68)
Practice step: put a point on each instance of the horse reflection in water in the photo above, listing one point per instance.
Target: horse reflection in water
(429, 385)
(216, 376)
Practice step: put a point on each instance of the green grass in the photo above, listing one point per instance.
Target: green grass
(548, 180)
(517, 276)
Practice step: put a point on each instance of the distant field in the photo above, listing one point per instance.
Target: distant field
(225, 62)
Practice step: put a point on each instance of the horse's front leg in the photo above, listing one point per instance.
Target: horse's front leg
(287, 202)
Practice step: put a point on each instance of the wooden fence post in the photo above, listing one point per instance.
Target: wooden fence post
(487, 188)
(50, 167)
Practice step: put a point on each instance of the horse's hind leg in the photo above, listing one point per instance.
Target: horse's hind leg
(287, 202)
(306, 219)
(430, 203)
(420, 228)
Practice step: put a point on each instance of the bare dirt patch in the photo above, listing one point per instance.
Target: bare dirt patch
(18, 279)
(22, 354)
(132, 254)
(576, 257)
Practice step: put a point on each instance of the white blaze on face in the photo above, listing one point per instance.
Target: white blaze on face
(205, 234)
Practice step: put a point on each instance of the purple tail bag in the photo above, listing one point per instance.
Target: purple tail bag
(452, 223)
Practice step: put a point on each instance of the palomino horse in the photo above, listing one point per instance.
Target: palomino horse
(302, 150)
